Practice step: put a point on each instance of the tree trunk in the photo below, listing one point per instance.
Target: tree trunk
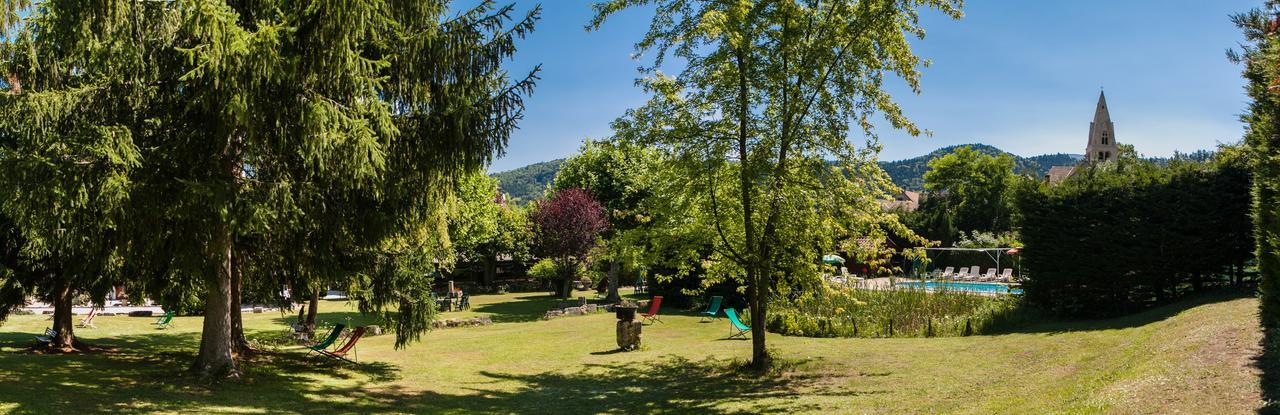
(310, 324)
(215, 360)
(64, 339)
(490, 270)
(239, 343)
(613, 296)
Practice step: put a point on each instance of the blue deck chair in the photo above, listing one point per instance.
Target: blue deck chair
(713, 310)
(735, 324)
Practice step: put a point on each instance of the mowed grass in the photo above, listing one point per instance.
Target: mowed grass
(1192, 357)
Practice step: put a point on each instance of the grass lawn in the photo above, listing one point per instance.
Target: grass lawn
(1192, 357)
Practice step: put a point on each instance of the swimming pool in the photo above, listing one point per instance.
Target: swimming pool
(961, 286)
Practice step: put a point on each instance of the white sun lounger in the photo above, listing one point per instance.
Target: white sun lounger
(989, 276)
(1005, 275)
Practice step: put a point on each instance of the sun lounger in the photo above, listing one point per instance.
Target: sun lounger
(713, 310)
(328, 341)
(341, 352)
(164, 321)
(950, 272)
(88, 320)
(1006, 275)
(989, 276)
(652, 314)
(736, 328)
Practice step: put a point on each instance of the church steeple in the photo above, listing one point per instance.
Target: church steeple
(1102, 136)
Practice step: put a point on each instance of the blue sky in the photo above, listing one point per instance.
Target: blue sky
(1020, 75)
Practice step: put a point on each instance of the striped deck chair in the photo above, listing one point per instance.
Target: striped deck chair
(341, 352)
(328, 341)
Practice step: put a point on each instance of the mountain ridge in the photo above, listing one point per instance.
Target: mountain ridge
(528, 182)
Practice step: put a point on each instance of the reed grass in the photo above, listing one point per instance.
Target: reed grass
(897, 312)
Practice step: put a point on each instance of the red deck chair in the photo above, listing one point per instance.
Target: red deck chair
(652, 314)
(341, 352)
(88, 320)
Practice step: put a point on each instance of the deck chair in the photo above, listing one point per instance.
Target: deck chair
(652, 314)
(1005, 275)
(989, 276)
(328, 341)
(88, 320)
(950, 272)
(713, 310)
(48, 336)
(737, 330)
(164, 321)
(341, 352)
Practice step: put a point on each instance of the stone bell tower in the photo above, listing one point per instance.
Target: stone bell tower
(1102, 134)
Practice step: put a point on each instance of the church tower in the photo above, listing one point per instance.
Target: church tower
(1102, 134)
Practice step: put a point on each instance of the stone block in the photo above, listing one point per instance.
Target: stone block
(628, 334)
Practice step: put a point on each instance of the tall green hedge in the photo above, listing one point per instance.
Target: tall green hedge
(1261, 58)
(1126, 235)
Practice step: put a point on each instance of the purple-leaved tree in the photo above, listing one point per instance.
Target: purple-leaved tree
(568, 226)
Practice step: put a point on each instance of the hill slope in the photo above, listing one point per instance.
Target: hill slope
(526, 183)
(909, 173)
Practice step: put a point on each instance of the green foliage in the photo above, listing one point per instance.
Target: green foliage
(546, 269)
(1127, 234)
(979, 239)
(528, 183)
(481, 227)
(769, 90)
(899, 312)
(909, 173)
(1261, 58)
(971, 190)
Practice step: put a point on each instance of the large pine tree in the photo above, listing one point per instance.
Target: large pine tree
(338, 125)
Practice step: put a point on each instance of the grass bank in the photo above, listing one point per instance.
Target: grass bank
(1195, 356)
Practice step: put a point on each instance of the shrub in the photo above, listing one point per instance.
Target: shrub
(901, 312)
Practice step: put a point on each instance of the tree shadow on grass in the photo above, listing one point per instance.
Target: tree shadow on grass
(147, 374)
(1021, 320)
(1268, 362)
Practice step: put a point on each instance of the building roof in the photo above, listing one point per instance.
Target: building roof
(1059, 173)
(906, 201)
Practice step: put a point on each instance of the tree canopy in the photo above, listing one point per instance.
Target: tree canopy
(321, 137)
(769, 91)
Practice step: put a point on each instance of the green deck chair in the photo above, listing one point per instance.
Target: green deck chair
(328, 341)
(713, 310)
(164, 321)
(737, 330)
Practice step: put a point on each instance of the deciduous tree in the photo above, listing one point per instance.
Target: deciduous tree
(769, 91)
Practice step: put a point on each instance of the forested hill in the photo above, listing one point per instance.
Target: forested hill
(527, 183)
(909, 173)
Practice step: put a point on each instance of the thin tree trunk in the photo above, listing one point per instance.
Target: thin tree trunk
(613, 296)
(215, 360)
(759, 353)
(64, 339)
(311, 311)
(239, 343)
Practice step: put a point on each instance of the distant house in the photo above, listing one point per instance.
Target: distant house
(1100, 148)
(1059, 173)
(906, 201)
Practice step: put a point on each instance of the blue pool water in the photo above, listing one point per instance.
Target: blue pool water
(961, 286)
